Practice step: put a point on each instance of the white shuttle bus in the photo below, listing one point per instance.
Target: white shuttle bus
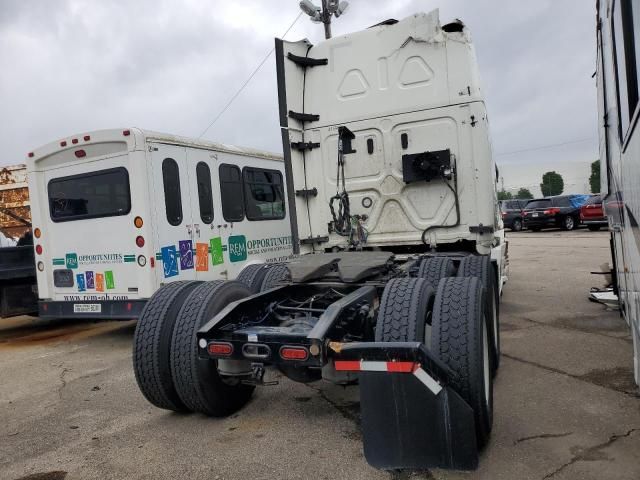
(618, 31)
(118, 213)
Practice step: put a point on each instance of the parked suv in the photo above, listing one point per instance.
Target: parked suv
(592, 213)
(512, 213)
(562, 211)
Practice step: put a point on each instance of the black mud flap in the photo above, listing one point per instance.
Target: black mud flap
(411, 417)
(406, 425)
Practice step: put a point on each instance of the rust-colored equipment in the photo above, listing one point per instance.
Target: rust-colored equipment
(15, 212)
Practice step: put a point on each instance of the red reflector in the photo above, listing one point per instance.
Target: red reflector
(348, 365)
(152, 262)
(30, 154)
(402, 367)
(74, 140)
(126, 133)
(140, 241)
(45, 306)
(80, 153)
(220, 348)
(129, 306)
(294, 353)
(39, 249)
(63, 143)
(87, 138)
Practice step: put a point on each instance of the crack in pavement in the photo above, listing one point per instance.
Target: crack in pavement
(63, 382)
(572, 329)
(542, 435)
(342, 409)
(587, 453)
(570, 375)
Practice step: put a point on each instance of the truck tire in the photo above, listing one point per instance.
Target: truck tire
(275, 275)
(433, 269)
(152, 343)
(405, 311)
(252, 276)
(198, 383)
(460, 339)
(480, 266)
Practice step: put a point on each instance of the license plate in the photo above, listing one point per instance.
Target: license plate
(87, 308)
(534, 214)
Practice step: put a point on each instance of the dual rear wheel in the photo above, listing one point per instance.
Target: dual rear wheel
(456, 317)
(167, 367)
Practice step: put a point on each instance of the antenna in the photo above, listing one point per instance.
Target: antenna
(323, 14)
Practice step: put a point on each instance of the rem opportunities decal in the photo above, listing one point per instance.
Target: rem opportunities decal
(200, 256)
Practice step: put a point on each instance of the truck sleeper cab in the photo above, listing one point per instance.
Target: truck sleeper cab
(391, 193)
(118, 213)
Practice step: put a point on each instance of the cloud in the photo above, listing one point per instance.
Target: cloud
(79, 65)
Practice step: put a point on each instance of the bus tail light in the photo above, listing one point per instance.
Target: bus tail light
(140, 241)
(138, 222)
(39, 249)
(40, 266)
(80, 153)
(36, 232)
(142, 260)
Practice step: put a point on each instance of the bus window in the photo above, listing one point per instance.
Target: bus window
(626, 62)
(263, 194)
(205, 198)
(103, 193)
(172, 195)
(231, 193)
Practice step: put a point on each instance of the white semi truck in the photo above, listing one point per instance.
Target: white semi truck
(391, 191)
(119, 213)
(618, 74)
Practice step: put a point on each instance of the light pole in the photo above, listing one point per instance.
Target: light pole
(323, 14)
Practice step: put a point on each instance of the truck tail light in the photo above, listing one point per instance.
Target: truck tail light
(294, 353)
(222, 349)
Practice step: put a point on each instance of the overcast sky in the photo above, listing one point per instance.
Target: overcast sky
(70, 66)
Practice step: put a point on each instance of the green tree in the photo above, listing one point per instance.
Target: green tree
(524, 194)
(594, 179)
(552, 184)
(502, 195)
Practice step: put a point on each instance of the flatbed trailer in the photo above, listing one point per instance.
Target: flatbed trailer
(401, 254)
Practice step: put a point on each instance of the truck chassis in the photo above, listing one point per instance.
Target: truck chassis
(418, 334)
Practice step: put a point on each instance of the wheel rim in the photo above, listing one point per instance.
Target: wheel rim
(569, 222)
(485, 361)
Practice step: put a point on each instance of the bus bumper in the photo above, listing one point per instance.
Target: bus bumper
(98, 309)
